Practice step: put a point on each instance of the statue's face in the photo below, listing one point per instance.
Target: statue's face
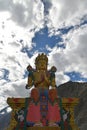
(42, 65)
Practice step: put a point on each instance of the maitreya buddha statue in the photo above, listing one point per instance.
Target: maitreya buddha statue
(43, 110)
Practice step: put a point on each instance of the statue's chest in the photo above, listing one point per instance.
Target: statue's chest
(40, 75)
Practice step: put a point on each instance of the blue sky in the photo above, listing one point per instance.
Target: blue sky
(42, 39)
(27, 28)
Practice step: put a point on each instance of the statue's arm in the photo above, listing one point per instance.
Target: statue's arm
(52, 77)
(30, 77)
(53, 82)
(29, 82)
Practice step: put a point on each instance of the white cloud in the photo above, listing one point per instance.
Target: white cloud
(66, 12)
(74, 56)
(18, 21)
(78, 53)
(58, 59)
(24, 13)
(61, 78)
(13, 89)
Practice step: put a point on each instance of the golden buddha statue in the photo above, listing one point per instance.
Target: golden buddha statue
(41, 77)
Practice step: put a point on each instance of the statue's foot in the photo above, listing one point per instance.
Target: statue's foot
(39, 124)
(54, 124)
(30, 124)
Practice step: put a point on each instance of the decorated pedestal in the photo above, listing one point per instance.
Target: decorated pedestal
(19, 112)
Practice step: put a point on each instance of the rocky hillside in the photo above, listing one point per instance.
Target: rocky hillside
(5, 116)
(79, 90)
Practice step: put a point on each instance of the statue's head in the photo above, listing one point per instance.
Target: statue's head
(41, 62)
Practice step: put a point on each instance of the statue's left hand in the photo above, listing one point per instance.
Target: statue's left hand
(27, 86)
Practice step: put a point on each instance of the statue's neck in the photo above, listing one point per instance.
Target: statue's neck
(42, 70)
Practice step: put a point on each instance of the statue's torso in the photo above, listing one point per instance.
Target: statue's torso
(41, 79)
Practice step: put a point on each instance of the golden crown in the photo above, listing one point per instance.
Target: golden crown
(41, 57)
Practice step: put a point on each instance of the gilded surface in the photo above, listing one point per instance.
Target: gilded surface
(40, 77)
